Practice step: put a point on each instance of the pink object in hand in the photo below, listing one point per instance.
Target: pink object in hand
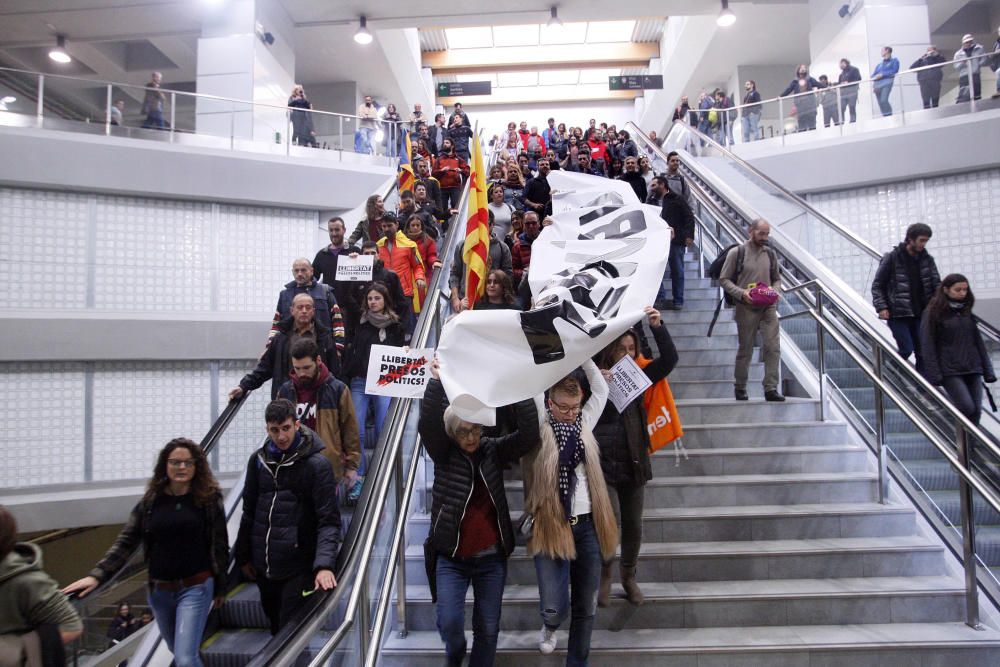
(762, 295)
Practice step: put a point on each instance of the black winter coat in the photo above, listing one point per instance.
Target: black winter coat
(291, 522)
(934, 75)
(953, 347)
(276, 363)
(359, 349)
(891, 287)
(455, 471)
(624, 438)
(358, 292)
(677, 213)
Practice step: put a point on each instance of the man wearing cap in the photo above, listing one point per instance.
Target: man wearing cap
(972, 56)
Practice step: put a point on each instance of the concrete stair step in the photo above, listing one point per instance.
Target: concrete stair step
(729, 410)
(696, 315)
(698, 341)
(721, 355)
(906, 555)
(701, 329)
(765, 434)
(764, 460)
(688, 370)
(736, 603)
(762, 522)
(724, 490)
(854, 645)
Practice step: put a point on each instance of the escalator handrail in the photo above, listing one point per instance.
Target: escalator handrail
(991, 331)
(832, 297)
(391, 446)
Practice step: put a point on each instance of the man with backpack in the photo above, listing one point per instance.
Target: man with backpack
(750, 278)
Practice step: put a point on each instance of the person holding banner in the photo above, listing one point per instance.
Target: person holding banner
(379, 325)
(574, 529)
(623, 438)
(472, 535)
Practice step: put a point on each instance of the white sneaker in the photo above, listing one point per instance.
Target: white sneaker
(547, 642)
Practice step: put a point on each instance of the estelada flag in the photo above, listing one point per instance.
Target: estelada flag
(406, 177)
(662, 421)
(477, 229)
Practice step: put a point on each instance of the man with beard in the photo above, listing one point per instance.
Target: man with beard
(323, 403)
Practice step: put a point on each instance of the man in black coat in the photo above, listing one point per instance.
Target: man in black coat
(290, 530)
(849, 74)
(276, 363)
(678, 215)
(930, 79)
(904, 283)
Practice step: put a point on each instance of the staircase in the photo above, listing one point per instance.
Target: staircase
(765, 545)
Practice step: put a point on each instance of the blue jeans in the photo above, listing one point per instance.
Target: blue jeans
(882, 94)
(675, 269)
(569, 587)
(488, 575)
(361, 401)
(181, 616)
(751, 127)
(906, 331)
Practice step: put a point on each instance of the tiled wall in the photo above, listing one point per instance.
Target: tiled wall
(962, 209)
(76, 422)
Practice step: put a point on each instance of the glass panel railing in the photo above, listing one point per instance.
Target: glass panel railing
(812, 108)
(940, 458)
(48, 101)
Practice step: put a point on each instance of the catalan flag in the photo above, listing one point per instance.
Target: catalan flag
(477, 229)
(406, 177)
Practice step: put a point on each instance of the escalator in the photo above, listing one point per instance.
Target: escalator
(819, 248)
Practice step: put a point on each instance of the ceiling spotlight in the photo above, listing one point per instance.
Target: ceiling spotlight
(726, 16)
(362, 36)
(554, 21)
(59, 54)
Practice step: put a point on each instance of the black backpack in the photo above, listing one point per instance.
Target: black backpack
(715, 273)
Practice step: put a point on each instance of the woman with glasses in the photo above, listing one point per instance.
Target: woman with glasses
(574, 525)
(471, 534)
(624, 442)
(181, 525)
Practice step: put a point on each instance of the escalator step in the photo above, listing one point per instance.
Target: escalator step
(242, 609)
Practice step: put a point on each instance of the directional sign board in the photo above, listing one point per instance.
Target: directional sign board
(636, 82)
(465, 88)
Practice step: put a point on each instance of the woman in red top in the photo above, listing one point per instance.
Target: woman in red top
(427, 248)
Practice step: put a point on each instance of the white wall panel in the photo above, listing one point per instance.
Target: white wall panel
(247, 430)
(138, 408)
(43, 249)
(43, 410)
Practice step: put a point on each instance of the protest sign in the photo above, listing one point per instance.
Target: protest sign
(627, 381)
(355, 269)
(393, 371)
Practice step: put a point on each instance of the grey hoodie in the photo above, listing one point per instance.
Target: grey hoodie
(29, 597)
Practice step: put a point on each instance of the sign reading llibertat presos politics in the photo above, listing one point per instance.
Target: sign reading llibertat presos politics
(627, 381)
(397, 371)
(592, 272)
(355, 269)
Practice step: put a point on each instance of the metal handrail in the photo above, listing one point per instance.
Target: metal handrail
(968, 480)
(359, 564)
(835, 87)
(988, 329)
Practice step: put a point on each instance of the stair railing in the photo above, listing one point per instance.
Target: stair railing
(799, 282)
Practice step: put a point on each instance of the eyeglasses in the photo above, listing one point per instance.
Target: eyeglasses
(465, 433)
(565, 409)
(180, 463)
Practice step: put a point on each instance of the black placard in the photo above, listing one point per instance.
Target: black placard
(464, 88)
(636, 82)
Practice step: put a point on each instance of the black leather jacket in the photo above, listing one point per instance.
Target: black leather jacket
(891, 287)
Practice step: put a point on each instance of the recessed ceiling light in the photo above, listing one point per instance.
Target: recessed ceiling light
(59, 54)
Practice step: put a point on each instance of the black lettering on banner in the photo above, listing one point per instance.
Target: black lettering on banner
(597, 213)
(636, 220)
(580, 310)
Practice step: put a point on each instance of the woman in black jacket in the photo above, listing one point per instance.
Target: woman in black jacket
(804, 105)
(379, 325)
(181, 524)
(303, 132)
(954, 354)
(123, 624)
(471, 534)
(624, 442)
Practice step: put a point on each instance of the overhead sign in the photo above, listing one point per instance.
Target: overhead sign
(466, 88)
(636, 82)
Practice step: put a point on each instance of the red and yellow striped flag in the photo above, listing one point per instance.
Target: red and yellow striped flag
(477, 230)
(406, 177)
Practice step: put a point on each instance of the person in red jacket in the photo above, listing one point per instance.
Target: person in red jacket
(450, 171)
(534, 146)
(599, 150)
(427, 249)
(520, 254)
(401, 255)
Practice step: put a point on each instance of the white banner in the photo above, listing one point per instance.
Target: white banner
(627, 381)
(355, 269)
(592, 273)
(393, 371)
